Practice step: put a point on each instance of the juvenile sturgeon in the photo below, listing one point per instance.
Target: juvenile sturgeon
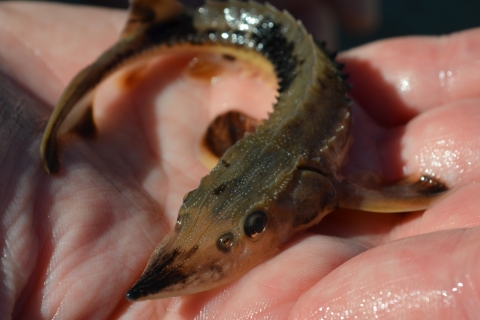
(269, 185)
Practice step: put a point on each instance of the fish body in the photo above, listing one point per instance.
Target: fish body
(267, 186)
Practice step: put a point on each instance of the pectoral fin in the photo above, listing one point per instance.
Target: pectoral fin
(307, 198)
(402, 196)
(143, 13)
(312, 197)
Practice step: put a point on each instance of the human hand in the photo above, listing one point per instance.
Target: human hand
(75, 242)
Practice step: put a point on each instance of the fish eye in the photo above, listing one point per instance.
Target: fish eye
(255, 224)
(225, 242)
(187, 195)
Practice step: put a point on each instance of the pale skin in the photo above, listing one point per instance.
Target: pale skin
(76, 242)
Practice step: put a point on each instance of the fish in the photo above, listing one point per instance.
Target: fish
(270, 184)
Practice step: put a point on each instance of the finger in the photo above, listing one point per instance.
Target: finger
(444, 142)
(448, 139)
(396, 79)
(432, 276)
(441, 142)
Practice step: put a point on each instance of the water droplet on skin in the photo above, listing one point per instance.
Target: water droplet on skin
(446, 78)
(405, 85)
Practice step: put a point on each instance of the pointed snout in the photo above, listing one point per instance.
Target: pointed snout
(163, 272)
(166, 273)
(177, 268)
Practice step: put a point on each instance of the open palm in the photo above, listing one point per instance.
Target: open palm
(76, 242)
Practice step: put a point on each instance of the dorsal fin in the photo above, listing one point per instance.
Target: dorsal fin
(143, 13)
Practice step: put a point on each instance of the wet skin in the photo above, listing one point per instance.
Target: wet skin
(115, 218)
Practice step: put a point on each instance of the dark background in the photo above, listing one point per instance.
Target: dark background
(399, 17)
(421, 17)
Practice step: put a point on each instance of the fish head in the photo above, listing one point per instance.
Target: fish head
(238, 217)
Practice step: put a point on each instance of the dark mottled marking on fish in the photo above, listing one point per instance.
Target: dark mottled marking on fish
(228, 57)
(218, 190)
